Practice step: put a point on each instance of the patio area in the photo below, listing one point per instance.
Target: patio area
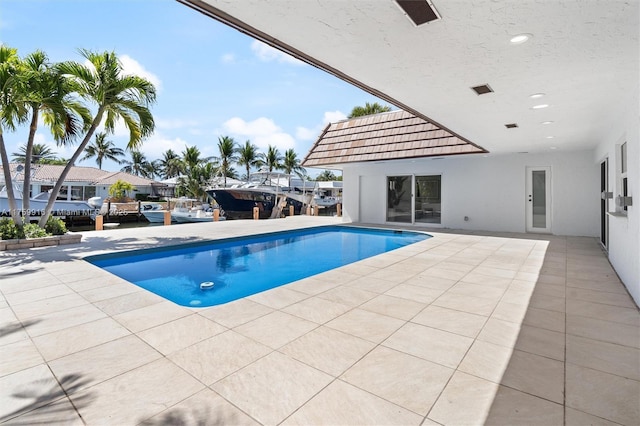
(460, 329)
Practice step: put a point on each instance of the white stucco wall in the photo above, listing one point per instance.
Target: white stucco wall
(489, 190)
(624, 232)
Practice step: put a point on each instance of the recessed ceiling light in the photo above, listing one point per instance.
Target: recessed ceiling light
(553, 147)
(536, 95)
(550, 137)
(546, 122)
(520, 38)
(539, 106)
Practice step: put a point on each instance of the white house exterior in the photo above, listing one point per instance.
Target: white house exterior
(83, 183)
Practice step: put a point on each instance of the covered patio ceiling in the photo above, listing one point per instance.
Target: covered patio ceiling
(582, 56)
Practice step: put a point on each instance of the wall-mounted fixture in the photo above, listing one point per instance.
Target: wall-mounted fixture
(624, 201)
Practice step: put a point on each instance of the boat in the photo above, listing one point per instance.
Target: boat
(153, 212)
(38, 204)
(185, 210)
(266, 191)
(326, 200)
(327, 194)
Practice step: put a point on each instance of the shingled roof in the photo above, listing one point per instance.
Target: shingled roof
(387, 136)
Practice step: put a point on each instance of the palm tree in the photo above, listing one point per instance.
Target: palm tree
(11, 113)
(228, 149)
(138, 165)
(154, 169)
(170, 165)
(118, 97)
(39, 153)
(101, 149)
(46, 92)
(249, 156)
(326, 175)
(291, 164)
(194, 182)
(368, 109)
(54, 161)
(191, 158)
(272, 159)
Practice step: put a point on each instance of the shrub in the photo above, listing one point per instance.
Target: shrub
(55, 226)
(9, 230)
(118, 191)
(32, 230)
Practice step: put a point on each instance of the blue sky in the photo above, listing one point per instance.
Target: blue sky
(212, 80)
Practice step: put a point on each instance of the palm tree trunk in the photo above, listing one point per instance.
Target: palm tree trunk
(26, 184)
(56, 189)
(13, 210)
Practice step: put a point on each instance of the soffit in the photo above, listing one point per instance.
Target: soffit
(583, 56)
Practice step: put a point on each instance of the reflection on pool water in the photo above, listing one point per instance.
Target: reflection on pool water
(240, 267)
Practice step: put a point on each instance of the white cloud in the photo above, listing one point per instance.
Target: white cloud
(267, 53)
(228, 58)
(175, 123)
(132, 67)
(333, 116)
(305, 133)
(261, 131)
(157, 144)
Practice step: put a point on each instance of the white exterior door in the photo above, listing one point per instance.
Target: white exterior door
(538, 199)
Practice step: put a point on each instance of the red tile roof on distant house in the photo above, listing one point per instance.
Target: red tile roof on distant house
(47, 173)
(112, 177)
(387, 136)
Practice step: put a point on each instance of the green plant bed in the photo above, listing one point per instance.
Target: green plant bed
(13, 237)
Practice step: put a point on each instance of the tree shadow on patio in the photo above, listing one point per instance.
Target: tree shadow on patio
(198, 417)
(15, 327)
(45, 400)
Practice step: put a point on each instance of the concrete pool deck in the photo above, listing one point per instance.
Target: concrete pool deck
(463, 328)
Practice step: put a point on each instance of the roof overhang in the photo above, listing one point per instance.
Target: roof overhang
(583, 56)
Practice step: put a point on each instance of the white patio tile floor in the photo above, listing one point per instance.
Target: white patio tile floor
(462, 328)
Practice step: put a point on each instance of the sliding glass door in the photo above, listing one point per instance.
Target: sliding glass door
(414, 199)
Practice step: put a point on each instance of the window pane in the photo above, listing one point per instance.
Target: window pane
(399, 199)
(76, 193)
(89, 191)
(539, 199)
(428, 199)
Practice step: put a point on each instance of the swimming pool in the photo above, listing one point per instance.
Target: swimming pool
(240, 267)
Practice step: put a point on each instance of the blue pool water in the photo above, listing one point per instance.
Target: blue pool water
(240, 267)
